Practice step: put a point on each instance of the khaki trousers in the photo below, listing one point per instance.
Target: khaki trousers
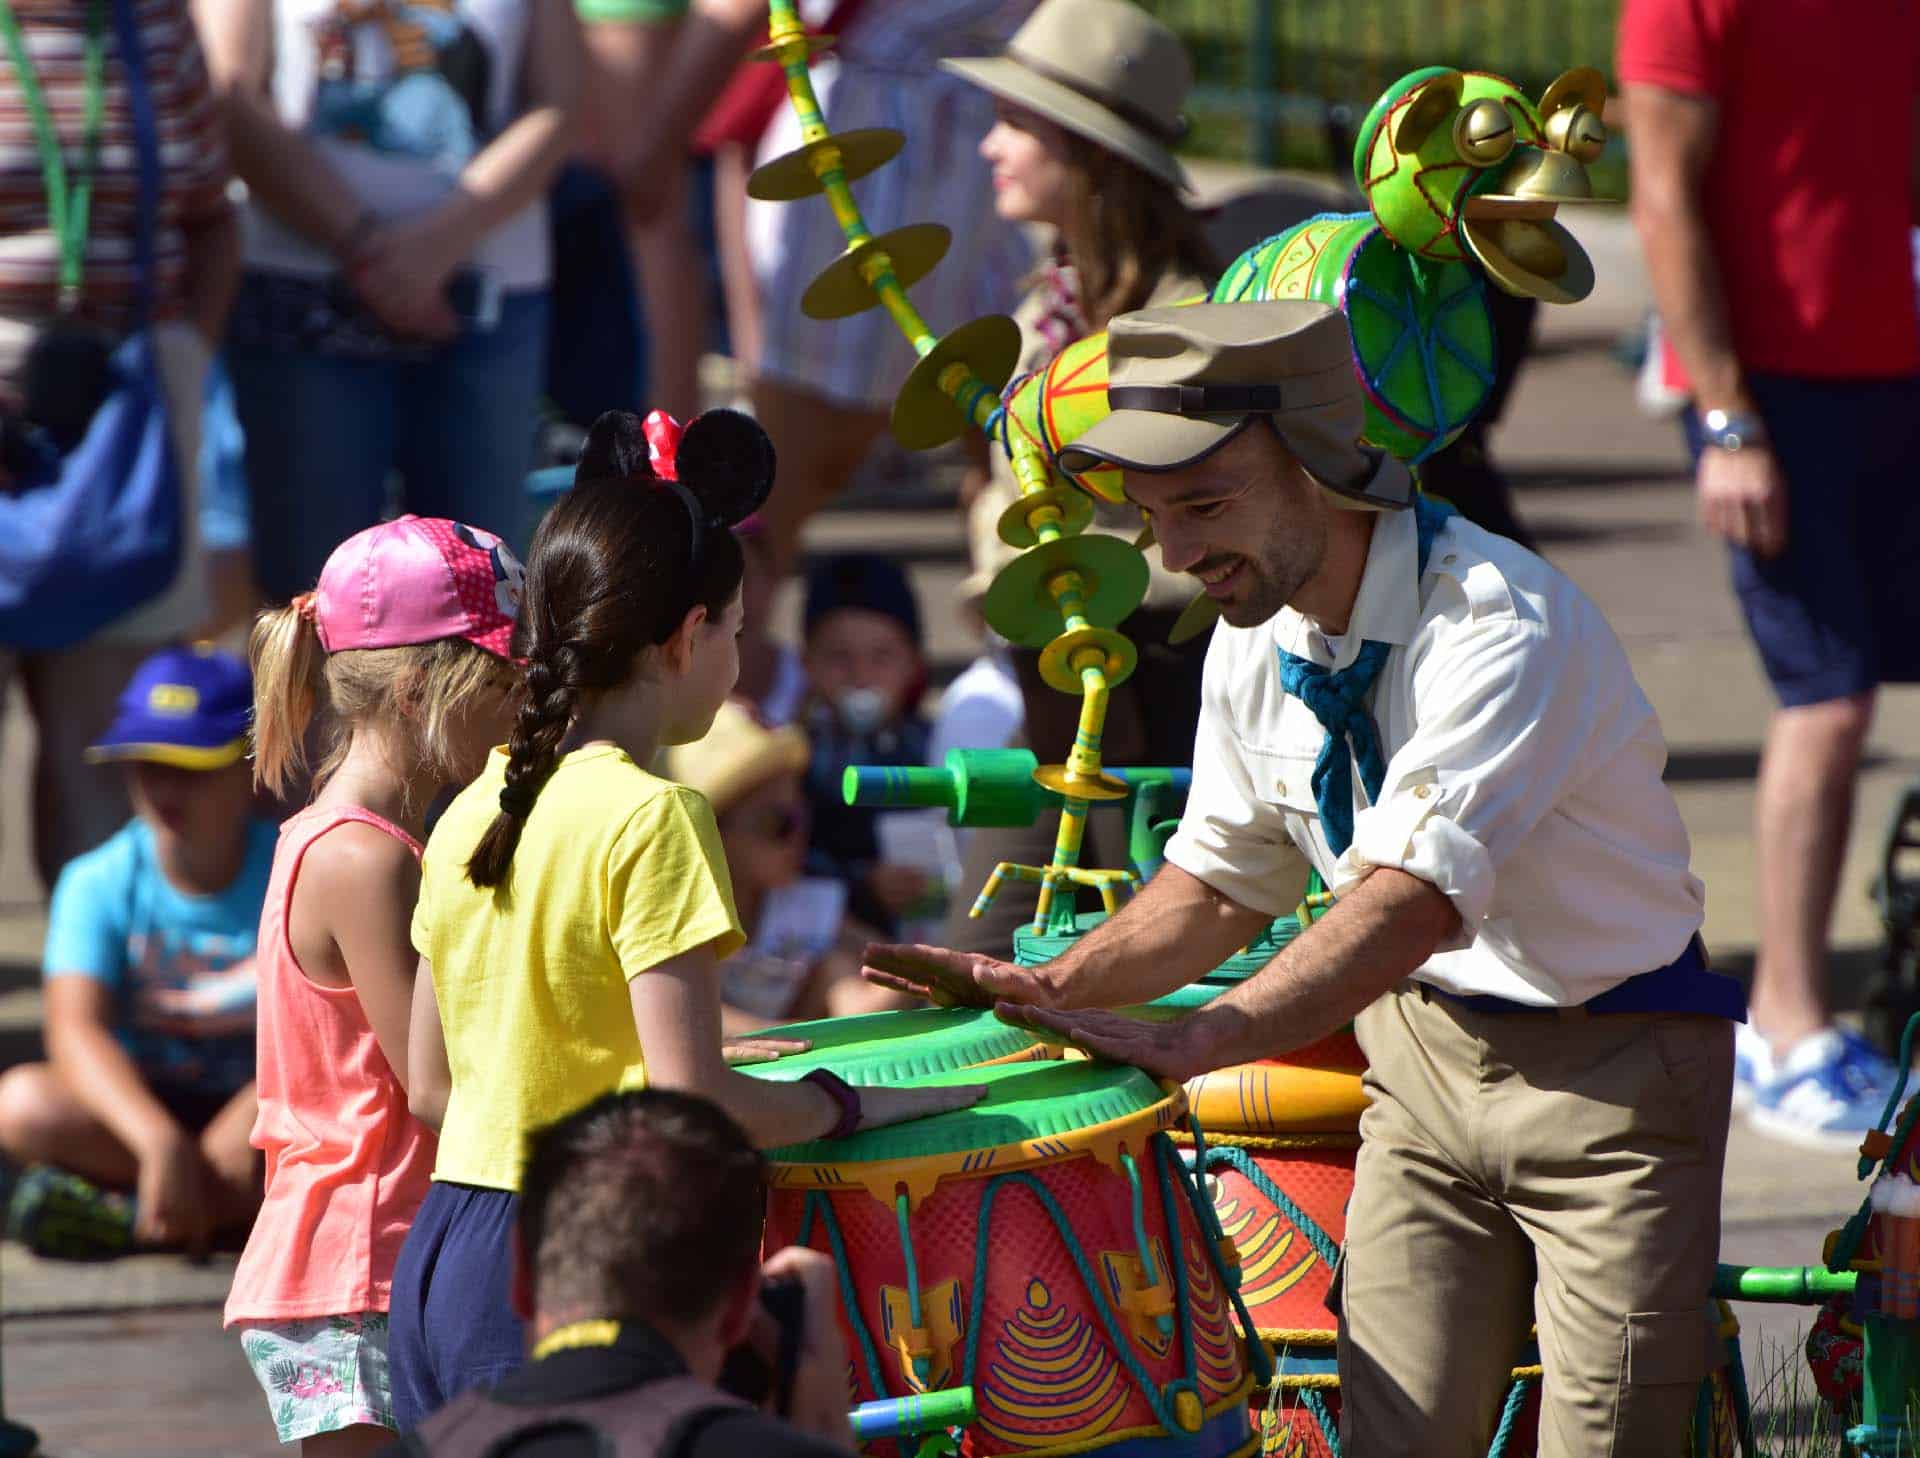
(1554, 1168)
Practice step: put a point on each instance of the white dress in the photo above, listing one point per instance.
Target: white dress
(884, 74)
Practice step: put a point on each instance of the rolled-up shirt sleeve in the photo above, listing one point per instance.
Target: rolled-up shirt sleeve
(1505, 727)
(1229, 837)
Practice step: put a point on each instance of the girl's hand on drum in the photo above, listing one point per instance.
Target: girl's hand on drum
(1166, 1050)
(820, 1375)
(761, 1050)
(881, 1106)
(949, 978)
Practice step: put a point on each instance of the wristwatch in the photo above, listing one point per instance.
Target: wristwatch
(1733, 430)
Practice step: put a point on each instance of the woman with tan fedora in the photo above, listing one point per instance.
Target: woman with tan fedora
(1087, 105)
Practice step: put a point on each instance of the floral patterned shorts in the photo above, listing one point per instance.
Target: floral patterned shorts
(322, 1373)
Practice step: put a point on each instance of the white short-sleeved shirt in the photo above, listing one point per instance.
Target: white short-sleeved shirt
(1523, 771)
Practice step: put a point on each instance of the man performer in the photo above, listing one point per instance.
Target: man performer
(1447, 730)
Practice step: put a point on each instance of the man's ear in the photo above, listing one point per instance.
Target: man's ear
(520, 1282)
(677, 652)
(736, 1315)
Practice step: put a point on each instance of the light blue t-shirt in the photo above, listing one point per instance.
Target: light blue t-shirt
(180, 967)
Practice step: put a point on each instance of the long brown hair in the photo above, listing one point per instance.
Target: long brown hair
(614, 570)
(1138, 231)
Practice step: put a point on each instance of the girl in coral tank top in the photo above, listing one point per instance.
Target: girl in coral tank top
(403, 645)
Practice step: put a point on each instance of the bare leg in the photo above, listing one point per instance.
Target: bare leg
(237, 1166)
(819, 445)
(730, 167)
(41, 1122)
(359, 1441)
(1802, 813)
(626, 60)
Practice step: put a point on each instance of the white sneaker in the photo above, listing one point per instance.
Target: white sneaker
(1826, 1093)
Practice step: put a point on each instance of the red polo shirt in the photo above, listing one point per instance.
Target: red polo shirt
(1808, 198)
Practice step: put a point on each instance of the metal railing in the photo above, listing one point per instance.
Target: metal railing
(1272, 74)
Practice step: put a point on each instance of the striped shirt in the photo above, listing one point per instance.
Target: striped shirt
(193, 156)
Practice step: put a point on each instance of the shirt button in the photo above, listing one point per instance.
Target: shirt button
(1449, 559)
(1279, 787)
(1422, 792)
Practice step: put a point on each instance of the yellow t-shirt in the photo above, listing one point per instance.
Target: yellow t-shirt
(616, 872)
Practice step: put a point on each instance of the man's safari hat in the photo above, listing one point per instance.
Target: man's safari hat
(1183, 381)
(1104, 69)
(185, 707)
(738, 755)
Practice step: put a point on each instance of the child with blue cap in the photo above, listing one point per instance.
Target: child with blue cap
(149, 987)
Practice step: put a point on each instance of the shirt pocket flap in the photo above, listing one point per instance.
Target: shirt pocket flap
(1665, 1347)
(1284, 778)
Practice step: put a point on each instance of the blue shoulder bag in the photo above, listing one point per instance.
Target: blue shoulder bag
(93, 530)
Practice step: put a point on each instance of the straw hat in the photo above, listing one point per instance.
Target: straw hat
(738, 755)
(1102, 68)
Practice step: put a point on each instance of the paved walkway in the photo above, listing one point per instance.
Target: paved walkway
(128, 1359)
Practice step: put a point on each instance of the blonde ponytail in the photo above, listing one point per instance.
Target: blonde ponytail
(288, 684)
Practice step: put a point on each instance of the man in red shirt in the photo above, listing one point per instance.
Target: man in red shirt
(1773, 154)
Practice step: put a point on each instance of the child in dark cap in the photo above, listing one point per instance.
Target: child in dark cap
(150, 990)
(866, 676)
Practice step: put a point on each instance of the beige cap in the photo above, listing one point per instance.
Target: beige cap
(738, 755)
(1102, 68)
(1183, 381)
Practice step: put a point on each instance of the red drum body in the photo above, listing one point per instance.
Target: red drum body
(1047, 1248)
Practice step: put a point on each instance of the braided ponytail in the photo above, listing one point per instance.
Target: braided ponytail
(614, 570)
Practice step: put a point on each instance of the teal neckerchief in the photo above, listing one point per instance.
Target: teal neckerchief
(1339, 702)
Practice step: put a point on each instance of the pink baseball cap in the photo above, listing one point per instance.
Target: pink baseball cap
(418, 579)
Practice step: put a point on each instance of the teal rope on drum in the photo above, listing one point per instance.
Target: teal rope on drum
(817, 1203)
(1137, 1199)
(1314, 1403)
(1509, 1415)
(1182, 1303)
(1240, 1160)
(1121, 1345)
(1257, 1354)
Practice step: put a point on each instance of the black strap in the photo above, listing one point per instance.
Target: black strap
(1196, 399)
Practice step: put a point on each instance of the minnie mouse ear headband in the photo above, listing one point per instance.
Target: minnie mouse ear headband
(720, 464)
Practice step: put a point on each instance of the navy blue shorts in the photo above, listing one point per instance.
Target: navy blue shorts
(1838, 612)
(453, 1325)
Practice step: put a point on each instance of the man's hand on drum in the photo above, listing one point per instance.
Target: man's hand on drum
(1175, 1050)
(953, 979)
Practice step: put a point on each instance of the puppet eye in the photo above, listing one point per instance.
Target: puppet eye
(1483, 132)
(1578, 132)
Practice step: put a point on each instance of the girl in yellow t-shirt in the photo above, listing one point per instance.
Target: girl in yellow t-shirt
(573, 905)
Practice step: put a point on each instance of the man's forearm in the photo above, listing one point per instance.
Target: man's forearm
(1688, 293)
(1375, 935)
(1176, 930)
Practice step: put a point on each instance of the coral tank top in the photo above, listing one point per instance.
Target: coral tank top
(347, 1164)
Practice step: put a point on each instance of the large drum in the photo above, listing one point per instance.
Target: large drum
(1047, 1247)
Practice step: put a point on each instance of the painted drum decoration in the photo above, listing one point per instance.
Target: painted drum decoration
(1047, 1247)
(887, 1047)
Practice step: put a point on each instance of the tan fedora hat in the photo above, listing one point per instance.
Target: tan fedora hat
(1183, 381)
(1102, 68)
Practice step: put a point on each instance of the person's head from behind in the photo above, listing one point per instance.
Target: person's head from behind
(632, 597)
(862, 630)
(1094, 159)
(1241, 443)
(403, 645)
(180, 737)
(751, 775)
(644, 1206)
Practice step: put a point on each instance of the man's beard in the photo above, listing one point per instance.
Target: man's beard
(1268, 579)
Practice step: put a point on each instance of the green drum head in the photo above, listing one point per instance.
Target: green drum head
(891, 1047)
(1031, 948)
(1024, 1101)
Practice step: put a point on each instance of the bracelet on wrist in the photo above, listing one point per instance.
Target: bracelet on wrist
(844, 1094)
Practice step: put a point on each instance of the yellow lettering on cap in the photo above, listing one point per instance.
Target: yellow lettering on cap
(173, 698)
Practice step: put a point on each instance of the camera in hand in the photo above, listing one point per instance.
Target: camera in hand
(65, 378)
(748, 1374)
